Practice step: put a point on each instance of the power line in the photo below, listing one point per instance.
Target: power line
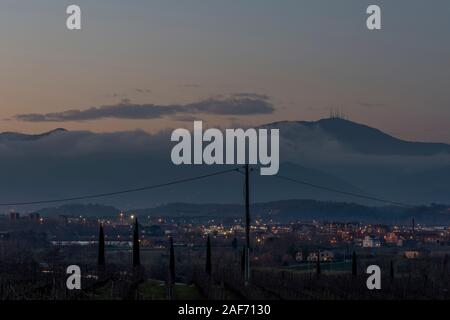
(305, 183)
(102, 195)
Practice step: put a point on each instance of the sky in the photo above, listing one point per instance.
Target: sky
(158, 64)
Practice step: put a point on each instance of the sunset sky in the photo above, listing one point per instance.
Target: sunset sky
(227, 62)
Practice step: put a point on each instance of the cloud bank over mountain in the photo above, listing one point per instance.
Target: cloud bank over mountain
(330, 152)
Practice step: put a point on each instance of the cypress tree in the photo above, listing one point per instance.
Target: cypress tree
(445, 262)
(136, 251)
(354, 265)
(243, 260)
(208, 256)
(101, 247)
(391, 271)
(172, 263)
(318, 269)
(234, 244)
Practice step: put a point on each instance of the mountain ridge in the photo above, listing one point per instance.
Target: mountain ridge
(356, 136)
(351, 134)
(343, 130)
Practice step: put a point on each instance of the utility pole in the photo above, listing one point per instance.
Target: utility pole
(247, 225)
(136, 249)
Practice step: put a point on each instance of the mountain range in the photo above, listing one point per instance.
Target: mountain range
(334, 153)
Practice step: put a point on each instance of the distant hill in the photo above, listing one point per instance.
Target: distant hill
(286, 210)
(86, 210)
(361, 138)
(292, 210)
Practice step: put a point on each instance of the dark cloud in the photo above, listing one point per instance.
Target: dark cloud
(229, 106)
(123, 110)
